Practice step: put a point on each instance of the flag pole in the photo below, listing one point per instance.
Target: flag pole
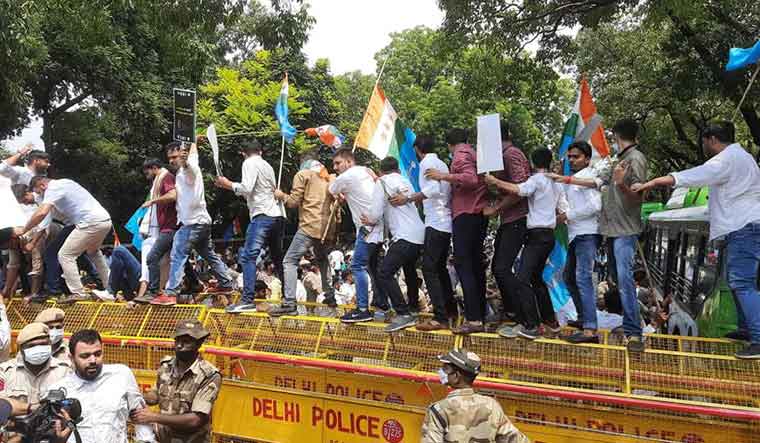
(282, 158)
(752, 80)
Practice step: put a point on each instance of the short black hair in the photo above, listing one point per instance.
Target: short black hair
(582, 146)
(456, 136)
(252, 146)
(541, 158)
(173, 146)
(722, 130)
(19, 191)
(627, 129)
(388, 164)
(151, 163)
(88, 336)
(506, 135)
(36, 180)
(345, 153)
(425, 143)
(37, 155)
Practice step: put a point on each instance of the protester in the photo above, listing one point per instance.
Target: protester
(186, 388)
(37, 163)
(5, 333)
(464, 416)
(544, 201)
(54, 319)
(468, 198)
(195, 232)
(91, 226)
(407, 237)
(123, 277)
(311, 196)
(356, 185)
(32, 244)
(734, 179)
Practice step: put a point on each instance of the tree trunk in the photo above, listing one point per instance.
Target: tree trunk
(47, 131)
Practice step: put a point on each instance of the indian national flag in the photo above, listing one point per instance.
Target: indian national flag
(383, 134)
(584, 124)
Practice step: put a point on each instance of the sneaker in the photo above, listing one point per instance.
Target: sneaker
(739, 334)
(401, 322)
(239, 308)
(284, 309)
(529, 333)
(145, 298)
(356, 316)
(73, 298)
(580, 337)
(577, 324)
(751, 352)
(329, 299)
(164, 300)
(551, 331)
(380, 316)
(510, 331)
(103, 295)
(469, 328)
(635, 344)
(431, 325)
(38, 298)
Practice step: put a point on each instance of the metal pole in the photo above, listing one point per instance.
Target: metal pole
(752, 80)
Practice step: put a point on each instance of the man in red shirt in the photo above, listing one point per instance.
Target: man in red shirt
(468, 198)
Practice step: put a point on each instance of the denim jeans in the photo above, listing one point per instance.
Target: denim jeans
(623, 250)
(469, 236)
(437, 280)
(262, 230)
(364, 253)
(125, 272)
(197, 237)
(579, 279)
(400, 254)
(299, 246)
(743, 258)
(161, 246)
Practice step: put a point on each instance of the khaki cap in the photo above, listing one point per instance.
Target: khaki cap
(31, 332)
(191, 327)
(462, 359)
(49, 315)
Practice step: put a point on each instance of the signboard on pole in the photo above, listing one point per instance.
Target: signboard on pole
(489, 154)
(184, 115)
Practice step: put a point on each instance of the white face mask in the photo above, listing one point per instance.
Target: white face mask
(37, 355)
(615, 147)
(443, 376)
(56, 335)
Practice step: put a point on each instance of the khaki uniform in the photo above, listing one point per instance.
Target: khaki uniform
(18, 382)
(193, 391)
(467, 417)
(63, 354)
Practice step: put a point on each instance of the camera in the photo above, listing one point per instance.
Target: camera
(39, 426)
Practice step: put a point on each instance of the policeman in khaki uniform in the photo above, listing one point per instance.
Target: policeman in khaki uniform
(53, 318)
(187, 387)
(464, 416)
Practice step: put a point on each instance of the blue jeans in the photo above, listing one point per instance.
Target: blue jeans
(125, 272)
(299, 246)
(743, 258)
(197, 237)
(578, 278)
(262, 229)
(360, 268)
(623, 251)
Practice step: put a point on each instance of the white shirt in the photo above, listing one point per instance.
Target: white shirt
(343, 296)
(74, 202)
(403, 221)
(17, 174)
(437, 203)
(106, 404)
(358, 186)
(584, 205)
(191, 197)
(543, 199)
(257, 186)
(734, 181)
(336, 260)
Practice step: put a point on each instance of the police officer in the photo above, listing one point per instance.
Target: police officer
(53, 318)
(464, 416)
(187, 387)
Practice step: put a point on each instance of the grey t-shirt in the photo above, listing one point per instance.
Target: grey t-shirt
(620, 215)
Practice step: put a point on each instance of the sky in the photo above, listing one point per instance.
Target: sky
(347, 32)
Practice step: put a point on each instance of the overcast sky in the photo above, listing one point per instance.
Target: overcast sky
(347, 32)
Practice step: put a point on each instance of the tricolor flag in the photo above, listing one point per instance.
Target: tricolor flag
(328, 135)
(281, 111)
(383, 134)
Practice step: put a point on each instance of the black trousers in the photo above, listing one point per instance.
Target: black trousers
(400, 254)
(532, 290)
(509, 241)
(412, 284)
(437, 280)
(469, 237)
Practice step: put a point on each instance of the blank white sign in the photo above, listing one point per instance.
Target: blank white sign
(489, 144)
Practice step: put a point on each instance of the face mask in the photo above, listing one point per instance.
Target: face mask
(187, 356)
(443, 376)
(615, 147)
(56, 335)
(37, 355)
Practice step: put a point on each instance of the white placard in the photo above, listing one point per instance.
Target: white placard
(211, 136)
(489, 144)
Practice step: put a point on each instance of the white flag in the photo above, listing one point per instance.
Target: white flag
(211, 136)
(489, 144)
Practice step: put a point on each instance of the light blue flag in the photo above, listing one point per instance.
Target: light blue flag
(407, 159)
(281, 111)
(133, 226)
(741, 57)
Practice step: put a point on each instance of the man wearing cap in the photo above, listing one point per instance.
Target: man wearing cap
(186, 387)
(53, 318)
(29, 376)
(464, 416)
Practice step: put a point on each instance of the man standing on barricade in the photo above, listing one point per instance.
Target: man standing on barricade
(186, 387)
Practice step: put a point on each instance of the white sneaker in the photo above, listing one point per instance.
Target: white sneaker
(103, 295)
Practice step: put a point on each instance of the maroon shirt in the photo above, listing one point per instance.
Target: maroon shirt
(167, 212)
(468, 190)
(516, 170)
